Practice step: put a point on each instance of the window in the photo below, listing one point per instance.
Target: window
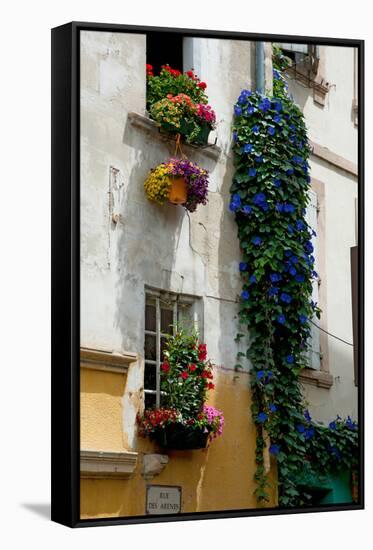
(164, 48)
(314, 340)
(308, 67)
(164, 311)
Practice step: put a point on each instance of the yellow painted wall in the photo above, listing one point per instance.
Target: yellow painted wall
(217, 478)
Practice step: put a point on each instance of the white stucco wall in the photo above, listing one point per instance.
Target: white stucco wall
(153, 245)
(332, 126)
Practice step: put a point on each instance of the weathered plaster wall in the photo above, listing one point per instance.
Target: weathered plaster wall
(332, 126)
(165, 248)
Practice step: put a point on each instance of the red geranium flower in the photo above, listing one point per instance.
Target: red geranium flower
(202, 85)
(210, 386)
(205, 374)
(190, 74)
(184, 375)
(192, 368)
(165, 367)
(202, 352)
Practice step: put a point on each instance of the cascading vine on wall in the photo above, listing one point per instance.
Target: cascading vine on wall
(269, 197)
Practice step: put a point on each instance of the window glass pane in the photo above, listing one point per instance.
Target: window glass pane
(167, 319)
(150, 377)
(149, 400)
(150, 317)
(185, 317)
(150, 347)
(163, 346)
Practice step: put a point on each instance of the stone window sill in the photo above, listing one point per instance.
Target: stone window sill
(106, 360)
(107, 464)
(318, 378)
(148, 125)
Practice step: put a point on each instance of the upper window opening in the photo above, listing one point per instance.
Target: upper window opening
(163, 48)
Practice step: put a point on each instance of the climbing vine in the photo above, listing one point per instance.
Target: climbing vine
(269, 196)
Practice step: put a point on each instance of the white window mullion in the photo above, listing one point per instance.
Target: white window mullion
(158, 352)
(314, 339)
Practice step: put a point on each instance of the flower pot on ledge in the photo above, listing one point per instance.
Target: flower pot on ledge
(178, 190)
(181, 437)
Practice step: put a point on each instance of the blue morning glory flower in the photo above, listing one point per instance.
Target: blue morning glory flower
(290, 229)
(333, 425)
(300, 225)
(286, 298)
(250, 110)
(277, 182)
(247, 209)
(289, 171)
(243, 266)
(272, 408)
(281, 319)
(314, 274)
(235, 202)
(290, 359)
(277, 106)
(260, 374)
(275, 277)
(300, 428)
(307, 415)
(273, 291)
(303, 319)
(252, 279)
(237, 110)
(259, 159)
(288, 253)
(308, 247)
(350, 424)
(271, 130)
(248, 147)
(235, 137)
(297, 159)
(245, 294)
(277, 118)
(292, 271)
(264, 105)
(242, 99)
(279, 207)
(256, 129)
(256, 241)
(262, 417)
(289, 208)
(276, 74)
(310, 432)
(294, 259)
(274, 449)
(308, 179)
(260, 199)
(252, 172)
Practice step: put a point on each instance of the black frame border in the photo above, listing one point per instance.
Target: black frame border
(65, 175)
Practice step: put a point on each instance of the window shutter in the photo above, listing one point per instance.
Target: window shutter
(314, 340)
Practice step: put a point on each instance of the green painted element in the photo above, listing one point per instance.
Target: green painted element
(333, 488)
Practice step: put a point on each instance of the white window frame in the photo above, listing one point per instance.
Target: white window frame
(173, 299)
(312, 213)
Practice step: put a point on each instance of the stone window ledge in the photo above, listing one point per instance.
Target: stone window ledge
(107, 464)
(317, 378)
(106, 361)
(148, 125)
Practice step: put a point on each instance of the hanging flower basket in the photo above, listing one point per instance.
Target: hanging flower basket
(178, 181)
(183, 421)
(180, 437)
(178, 103)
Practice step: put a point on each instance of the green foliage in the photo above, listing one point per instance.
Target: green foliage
(185, 374)
(170, 81)
(269, 198)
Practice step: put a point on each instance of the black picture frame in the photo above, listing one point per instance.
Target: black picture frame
(66, 259)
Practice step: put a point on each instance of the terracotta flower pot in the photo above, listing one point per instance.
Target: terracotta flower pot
(178, 190)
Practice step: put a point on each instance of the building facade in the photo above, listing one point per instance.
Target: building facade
(143, 266)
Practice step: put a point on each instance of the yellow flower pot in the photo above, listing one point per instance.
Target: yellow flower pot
(178, 190)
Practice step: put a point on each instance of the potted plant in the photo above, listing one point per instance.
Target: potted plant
(178, 103)
(183, 421)
(179, 181)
